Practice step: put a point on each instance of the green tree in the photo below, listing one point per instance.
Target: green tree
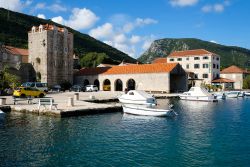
(8, 79)
(93, 59)
(246, 82)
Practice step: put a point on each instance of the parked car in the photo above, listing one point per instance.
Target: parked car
(38, 85)
(57, 88)
(91, 88)
(77, 88)
(106, 87)
(28, 92)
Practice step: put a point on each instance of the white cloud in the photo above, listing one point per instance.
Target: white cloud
(59, 20)
(41, 16)
(79, 19)
(183, 3)
(53, 8)
(15, 5)
(104, 31)
(135, 39)
(139, 22)
(82, 19)
(217, 8)
(57, 8)
(40, 6)
(121, 38)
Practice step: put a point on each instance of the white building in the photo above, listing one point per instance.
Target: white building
(204, 64)
(163, 77)
(236, 74)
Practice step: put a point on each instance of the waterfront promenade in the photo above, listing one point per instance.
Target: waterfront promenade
(68, 105)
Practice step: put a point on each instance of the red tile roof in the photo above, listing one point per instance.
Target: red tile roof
(186, 53)
(17, 51)
(159, 60)
(222, 80)
(49, 27)
(233, 69)
(129, 69)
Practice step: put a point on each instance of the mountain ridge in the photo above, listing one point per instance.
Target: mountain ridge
(14, 29)
(230, 55)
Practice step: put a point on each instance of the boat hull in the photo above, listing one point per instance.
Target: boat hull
(199, 98)
(133, 101)
(137, 110)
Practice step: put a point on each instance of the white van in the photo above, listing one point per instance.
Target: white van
(91, 88)
(37, 85)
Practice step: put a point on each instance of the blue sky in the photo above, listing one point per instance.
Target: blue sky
(131, 25)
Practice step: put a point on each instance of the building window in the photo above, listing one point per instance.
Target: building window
(196, 76)
(205, 57)
(218, 58)
(187, 66)
(5, 56)
(205, 65)
(171, 59)
(217, 66)
(16, 58)
(179, 59)
(66, 50)
(187, 58)
(205, 75)
(214, 66)
(196, 58)
(196, 66)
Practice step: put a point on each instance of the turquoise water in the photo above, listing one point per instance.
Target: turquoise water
(203, 134)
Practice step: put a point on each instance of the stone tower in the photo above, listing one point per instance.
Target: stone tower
(51, 53)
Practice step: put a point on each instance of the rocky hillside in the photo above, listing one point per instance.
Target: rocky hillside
(229, 54)
(15, 26)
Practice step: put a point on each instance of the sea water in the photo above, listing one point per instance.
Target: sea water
(202, 134)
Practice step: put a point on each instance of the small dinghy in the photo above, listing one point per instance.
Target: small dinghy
(148, 111)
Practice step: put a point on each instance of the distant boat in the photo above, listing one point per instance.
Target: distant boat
(232, 94)
(241, 94)
(137, 97)
(247, 94)
(220, 95)
(198, 94)
(147, 111)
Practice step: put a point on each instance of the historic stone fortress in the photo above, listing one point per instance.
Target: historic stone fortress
(51, 53)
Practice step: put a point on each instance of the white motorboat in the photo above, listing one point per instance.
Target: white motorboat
(232, 94)
(247, 94)
(147, 111)
(241, 94)
(137, 97)
(198, 94)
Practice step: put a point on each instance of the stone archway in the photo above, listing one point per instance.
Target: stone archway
(118, 85)
(85, 82)
(131, 84)
(106, 85)
(97, 83)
